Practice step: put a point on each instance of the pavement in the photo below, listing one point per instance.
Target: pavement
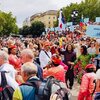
(75, 90)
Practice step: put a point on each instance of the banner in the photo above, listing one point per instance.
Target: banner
(72, 28)
(97, 19)
(93, 31)
(56, 28)
(52, 29)
(69, 23)
(86, 20)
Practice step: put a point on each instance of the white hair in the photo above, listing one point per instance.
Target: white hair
(29, 68)
(4, 49)
(4, 55)
(28, 52)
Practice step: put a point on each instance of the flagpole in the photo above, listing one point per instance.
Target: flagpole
(61, 22)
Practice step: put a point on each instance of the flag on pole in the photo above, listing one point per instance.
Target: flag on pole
(61, 21)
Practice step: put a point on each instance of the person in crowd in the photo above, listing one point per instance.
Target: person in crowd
(28, 56)
(88, 83)
(55, 69)
(5, 66)
(5, 49)
(69, 58)
(77, 49)
(92, 49)
(26, 92)
(97, 58)
(97, 90)
(88, 42)
(84, 58)
(9, 70)
(45, 55)
(10, 43)
(13, 59)
(81, 62)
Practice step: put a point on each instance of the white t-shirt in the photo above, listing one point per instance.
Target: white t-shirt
(10, 81)
(8, 68)
(44, 59)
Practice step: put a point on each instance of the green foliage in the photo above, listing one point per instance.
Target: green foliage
(35, 29)
(7, 24)
(87, 8)
(24, 31)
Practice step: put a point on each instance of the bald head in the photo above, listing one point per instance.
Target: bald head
(27, 55)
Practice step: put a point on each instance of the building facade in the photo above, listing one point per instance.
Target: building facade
(48, 18)
(26, 22)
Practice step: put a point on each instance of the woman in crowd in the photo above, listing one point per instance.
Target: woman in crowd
(55, 68)
(69, 58)
(81, 62)
(13, 59)
(88, 83)
(92, 48)
(84, 58)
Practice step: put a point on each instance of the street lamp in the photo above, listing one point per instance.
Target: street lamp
(74, 15)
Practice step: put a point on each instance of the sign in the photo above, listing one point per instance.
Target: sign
(93, 31)
(69, 24)
(52, 29)
(56, 28)
(72, 28)
(97, 19)
(86, 20)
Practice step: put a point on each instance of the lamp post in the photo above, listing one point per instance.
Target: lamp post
(74, 15)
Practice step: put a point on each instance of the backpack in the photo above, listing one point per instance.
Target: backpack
(42, 90)
(6, 91)
(28, 91)
(97, 96)
(56, 87)
(61, 94)
(40, 71)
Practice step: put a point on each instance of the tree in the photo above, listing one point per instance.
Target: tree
(37, 28)
(87, 8)
(24, 31)
(7, 24)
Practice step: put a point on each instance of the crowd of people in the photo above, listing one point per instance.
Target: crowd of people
(67, 57)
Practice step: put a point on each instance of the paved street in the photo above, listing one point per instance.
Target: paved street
(75, 91)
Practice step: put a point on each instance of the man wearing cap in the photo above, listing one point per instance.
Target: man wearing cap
(45, 54)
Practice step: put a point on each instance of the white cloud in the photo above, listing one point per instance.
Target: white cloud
(25, 8)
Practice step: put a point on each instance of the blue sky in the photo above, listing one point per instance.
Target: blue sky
(25, 8)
